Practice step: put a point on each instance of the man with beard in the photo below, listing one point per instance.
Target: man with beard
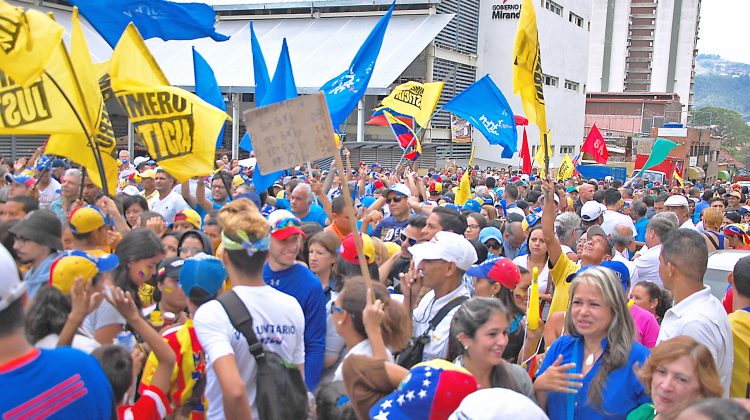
(37, 243)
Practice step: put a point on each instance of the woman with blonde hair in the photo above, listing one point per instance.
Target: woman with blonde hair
(712, 220)
(489, 212)
(679, 372)
(589, 373)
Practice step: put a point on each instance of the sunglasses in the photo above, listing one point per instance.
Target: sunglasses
(492, 245)
(395, 199)
(405, 238)
(285, 223)
(336, 309)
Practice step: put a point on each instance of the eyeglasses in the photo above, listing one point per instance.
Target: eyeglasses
(395, 199)
(492, 245)
(405, 238)
(335, 309)
(473, 227)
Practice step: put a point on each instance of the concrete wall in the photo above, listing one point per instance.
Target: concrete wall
(564, 52)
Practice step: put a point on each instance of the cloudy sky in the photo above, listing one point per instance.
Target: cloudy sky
(725, 30)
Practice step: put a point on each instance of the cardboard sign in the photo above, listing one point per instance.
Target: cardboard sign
(290, 133)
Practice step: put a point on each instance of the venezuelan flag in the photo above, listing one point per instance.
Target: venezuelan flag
(408, 141)
(378, 117)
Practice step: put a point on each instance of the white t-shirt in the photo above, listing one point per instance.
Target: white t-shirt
(364, 348)
(613, 218)
(169, 206)
(428, 307)
(647, 266)
(104, 315)
(49, 194)
(522, 261)
(279, 325)
(702, 317)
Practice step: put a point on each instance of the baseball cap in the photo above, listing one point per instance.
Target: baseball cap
(676, 201)
(140, 160)
(619, 268)
(169, 267)
(42, 227)
(500, 270)
(73, 264)
(571, 189)
(436, 187)
(11, 286)
(530, 221)
(734, 216)
(203, 271)
(431, 390)
(86, 219)
(591, 211)
(26, 180)
(59, 163)
(401, 189)
(597, 230)
(131, 190)
(284, 224)
(446, 246)
(473, 205)
(495, 403)
(189, 215)
(348, 249)
(490, 232)
(735, 193)
(149, 173)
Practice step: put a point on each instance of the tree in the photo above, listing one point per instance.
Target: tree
(727, 123)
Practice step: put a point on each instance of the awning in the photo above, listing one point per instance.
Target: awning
(724, 175)
(319, 48)
(695, 172)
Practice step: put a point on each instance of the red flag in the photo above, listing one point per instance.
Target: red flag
(525, 155)
(596, 145)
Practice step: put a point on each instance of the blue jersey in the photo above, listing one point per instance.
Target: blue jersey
(63, 383)
(389, 229)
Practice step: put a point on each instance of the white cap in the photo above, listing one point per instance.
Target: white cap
(676, 201)
(401, 189)
(515, 210)
(446, 246)
(497, 403)
(11, 286)
(140, 159)
(591, 211)
(131, 190)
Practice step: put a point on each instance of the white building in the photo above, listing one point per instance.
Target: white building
(564, 43)
(644, 46)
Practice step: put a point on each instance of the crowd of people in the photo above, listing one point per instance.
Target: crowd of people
(531, 299)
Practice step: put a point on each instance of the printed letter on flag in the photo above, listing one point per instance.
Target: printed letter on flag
(27, 41)
(77, 147)
(345, 90)
(178, 129)
(596, 145)
(415, 99)
(566, 169)
(484, 106)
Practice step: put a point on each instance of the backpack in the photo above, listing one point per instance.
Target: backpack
(275, 377)
(414, 353)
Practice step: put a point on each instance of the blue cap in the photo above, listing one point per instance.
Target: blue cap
(473, 205)
(367, 201)
(252, 196)
(490, 232)
(453, 207)
(619, 268)
(204, 271)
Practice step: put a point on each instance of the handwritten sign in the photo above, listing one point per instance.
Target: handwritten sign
(290, 133)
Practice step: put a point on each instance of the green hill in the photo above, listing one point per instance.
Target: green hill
(722, 83)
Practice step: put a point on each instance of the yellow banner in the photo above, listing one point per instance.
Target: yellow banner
(463, 193)
(566, 168)
(528, 79)
(177, 128)
(539, 155)
(95, 116)
(415, 99)
(27, 41)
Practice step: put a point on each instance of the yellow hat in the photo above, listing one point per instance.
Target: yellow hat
(87, 219)
(392, 248)
(189, 215)
(348, 249)
(73, 264)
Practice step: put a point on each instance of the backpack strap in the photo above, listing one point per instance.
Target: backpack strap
(710, 237)
(242, 321)
(444, 311)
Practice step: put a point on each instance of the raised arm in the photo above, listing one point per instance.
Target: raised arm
(549, 213)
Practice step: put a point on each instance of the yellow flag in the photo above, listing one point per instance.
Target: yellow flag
(27, 41)
(178, 129)
(539, 155)
(95, 116)
(463, 193)
(566, 168)
(415, 99)
(528, 79)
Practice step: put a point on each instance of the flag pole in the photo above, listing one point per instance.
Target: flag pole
(546, 155)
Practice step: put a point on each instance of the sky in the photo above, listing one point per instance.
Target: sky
(724, 29)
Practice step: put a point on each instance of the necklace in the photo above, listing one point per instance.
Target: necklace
(590, 359)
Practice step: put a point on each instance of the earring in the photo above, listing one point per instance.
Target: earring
(341, 322)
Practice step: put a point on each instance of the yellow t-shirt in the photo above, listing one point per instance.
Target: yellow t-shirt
(562, 269)
(740, 322)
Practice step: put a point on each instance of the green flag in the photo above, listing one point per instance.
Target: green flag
(659, 153)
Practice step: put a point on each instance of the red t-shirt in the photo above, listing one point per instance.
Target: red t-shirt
(153, 404)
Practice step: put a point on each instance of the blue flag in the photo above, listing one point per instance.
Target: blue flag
(345, 90)
(207, 88)
(260, 70)
(153, 18)
(282, 87)
(484, 106)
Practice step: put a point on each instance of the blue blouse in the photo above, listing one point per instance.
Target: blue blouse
(622, 391)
